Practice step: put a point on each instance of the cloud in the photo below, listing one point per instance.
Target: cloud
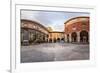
(47, 18)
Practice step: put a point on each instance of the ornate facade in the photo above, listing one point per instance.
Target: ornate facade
(33, 32)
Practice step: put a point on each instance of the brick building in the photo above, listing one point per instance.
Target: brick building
(77, 30)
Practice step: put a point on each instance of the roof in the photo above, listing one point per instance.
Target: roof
(36, 23)
(76, 18)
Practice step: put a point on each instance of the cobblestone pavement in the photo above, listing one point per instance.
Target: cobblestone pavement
(54, 52)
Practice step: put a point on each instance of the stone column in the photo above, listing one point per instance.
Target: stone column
(46, 38)
(70, 39)
(78, 37)
(65, 37)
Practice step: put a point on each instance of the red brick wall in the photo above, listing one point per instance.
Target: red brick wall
(78, 25)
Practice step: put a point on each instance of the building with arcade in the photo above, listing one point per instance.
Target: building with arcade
(33, 32)
(77, 29)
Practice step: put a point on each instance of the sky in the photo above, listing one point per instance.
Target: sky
(52, 19)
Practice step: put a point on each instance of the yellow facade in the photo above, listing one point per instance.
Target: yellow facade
(56, 36)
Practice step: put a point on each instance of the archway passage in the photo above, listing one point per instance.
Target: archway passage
(74, 37)
(55, 40)
(84, 36)
(50, 40)
(62, 40)
(58, 39)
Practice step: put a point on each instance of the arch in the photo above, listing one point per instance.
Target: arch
(62, 39)
(74, 37)
(84, 36)
(55, 40)
(50, 40)
(58, 39)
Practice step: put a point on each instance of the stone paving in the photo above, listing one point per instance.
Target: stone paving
(54, 52)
